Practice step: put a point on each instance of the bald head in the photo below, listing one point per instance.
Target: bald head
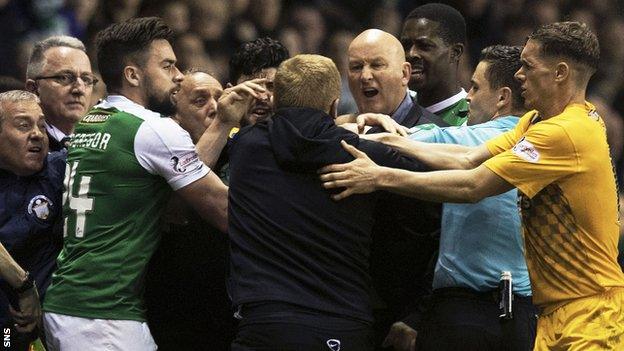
(196, 102)
(378, 72)
(378, 39)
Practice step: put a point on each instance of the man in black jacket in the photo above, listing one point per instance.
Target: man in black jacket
(299, 261)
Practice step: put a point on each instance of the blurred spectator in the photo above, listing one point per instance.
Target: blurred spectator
(177, 16)
(614, 124)
(190, 51)
(337, 51)
(77, 15)
(10, 83)
(209, 19)
(311, 26)
(388, 19)
(266, 14)
(238, 7)
(545, 11)
(292, 40)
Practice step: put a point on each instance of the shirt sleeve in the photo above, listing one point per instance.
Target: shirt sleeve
(507, 140)
(543, 155)
(430, 134)
(162, 147)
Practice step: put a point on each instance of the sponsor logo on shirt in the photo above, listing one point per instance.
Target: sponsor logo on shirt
(526, 150)
(593, 115)
(40, 206)
(333, 344)
(96, 118)
(181, 163)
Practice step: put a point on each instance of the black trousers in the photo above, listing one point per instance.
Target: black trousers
(274, 329)
(460, 319)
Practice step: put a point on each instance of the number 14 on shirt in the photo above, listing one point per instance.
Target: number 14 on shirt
(76, 203)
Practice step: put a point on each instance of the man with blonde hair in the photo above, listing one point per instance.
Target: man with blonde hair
(299, 261)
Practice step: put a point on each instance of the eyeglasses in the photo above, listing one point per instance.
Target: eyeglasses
(66, 79)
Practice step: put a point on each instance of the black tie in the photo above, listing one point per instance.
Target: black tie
(65, 141)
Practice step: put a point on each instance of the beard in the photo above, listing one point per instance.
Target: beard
(160, 103)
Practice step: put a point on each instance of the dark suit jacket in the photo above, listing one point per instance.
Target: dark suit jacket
(54, 144)
(419, 115)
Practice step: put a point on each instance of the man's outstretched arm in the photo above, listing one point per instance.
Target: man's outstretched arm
(362, 175)
(435, 156)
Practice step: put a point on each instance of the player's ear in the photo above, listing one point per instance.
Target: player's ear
(132, 75)
(333, 109)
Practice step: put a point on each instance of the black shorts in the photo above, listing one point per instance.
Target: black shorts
(284, 328)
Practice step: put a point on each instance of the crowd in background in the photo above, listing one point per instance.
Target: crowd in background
(207, 33)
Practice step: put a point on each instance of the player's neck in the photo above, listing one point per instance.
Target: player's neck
(561, 103)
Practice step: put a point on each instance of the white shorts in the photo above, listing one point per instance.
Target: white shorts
(68, 333)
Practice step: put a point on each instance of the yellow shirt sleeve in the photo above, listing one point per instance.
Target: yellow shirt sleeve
(507, 140)
(543, 155)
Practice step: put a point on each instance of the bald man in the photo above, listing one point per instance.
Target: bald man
(378, 78)
(196, 102)
(199, 261)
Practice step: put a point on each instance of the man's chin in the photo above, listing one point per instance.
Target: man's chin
(254, 118)
(261, 117)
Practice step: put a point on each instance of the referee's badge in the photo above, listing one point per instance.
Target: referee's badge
(40, 207)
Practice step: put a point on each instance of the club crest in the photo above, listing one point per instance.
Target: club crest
(40, 206)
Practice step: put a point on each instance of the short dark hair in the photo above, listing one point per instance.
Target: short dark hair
(127, 41)
(573, 40)
(256, 55)
(452, 23)
(503, 62)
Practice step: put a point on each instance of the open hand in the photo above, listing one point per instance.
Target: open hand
(358, 176)
(236, 101)
(381, 120)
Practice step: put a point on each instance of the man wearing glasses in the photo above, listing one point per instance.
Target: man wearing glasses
(59, 72)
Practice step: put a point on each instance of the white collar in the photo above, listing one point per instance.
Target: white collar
(122, 103)
(54, 132)
(439, 106)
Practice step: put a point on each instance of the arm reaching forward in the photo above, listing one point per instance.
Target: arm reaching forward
(435, 156)
(362, 175)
